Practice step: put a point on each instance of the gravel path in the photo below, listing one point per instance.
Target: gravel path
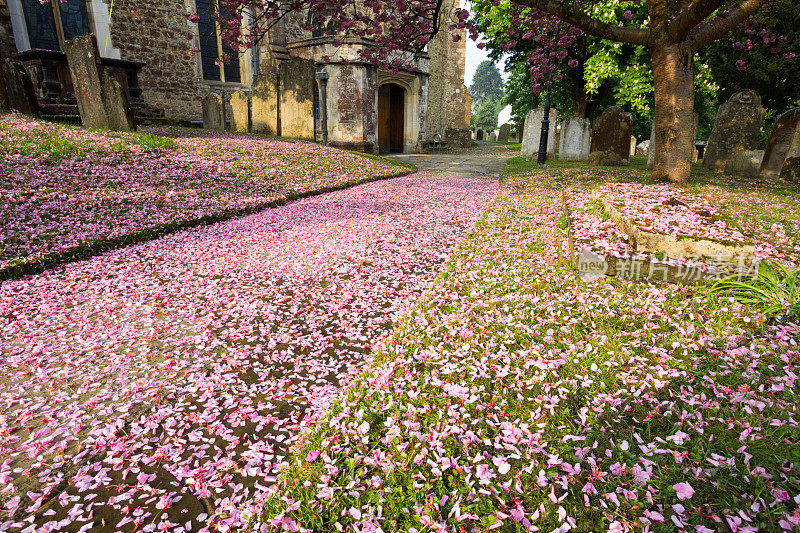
(158, 387)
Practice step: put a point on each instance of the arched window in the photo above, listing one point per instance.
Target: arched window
(212, 47)
(45, 31)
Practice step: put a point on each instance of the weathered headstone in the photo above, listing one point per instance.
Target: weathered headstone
(606, 158)
(643, 148)
(574, 143)
(651, 149)
(298, 85)
(791, 169)
(505, 131)
(3, 96)
(213, 112)
(784, 142)
(240, 116)
(117, 105)
(612, 131)
(745, 163)
(102, 101)
(19, 89)
(532, 132)
(736, 128)
(264, 105)
(493, 137)
(633, 146)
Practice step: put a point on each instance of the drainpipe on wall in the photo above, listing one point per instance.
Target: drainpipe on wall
(323, 77)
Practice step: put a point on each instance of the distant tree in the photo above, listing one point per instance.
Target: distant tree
(487, 84)
(485, 116)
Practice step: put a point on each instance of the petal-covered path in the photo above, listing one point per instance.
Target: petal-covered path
(158, 387)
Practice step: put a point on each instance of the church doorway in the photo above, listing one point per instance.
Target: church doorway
(391, 118)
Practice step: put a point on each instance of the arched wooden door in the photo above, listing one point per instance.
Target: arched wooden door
(391, 118)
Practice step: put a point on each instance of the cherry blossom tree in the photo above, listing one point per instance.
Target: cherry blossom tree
(673, 31)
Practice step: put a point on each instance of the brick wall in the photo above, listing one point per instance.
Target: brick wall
(155, 31)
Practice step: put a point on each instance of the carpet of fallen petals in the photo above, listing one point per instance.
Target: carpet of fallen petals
(63, 188)
(517, 397)
(671, 209)
(157, 387)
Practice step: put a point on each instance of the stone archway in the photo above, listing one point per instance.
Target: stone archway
(391, 118)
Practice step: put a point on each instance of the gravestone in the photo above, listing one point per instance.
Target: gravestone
(633, 146)
(297, 93)
(651, 148)
(532, 132)
(264, 104)
(479, 134)
(240, 112)
(493, 137)
(736, 128)
(213, 112)
(505, 131)
(791, 169)
(746, 163)
(606, 158)
(3, 96)
(784, 142)
(102, 101)
(612, 131)
(117, 105)
(574, 143)
(19, 90)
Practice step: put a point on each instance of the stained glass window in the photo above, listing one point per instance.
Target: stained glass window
(74, 19)
(41, 24)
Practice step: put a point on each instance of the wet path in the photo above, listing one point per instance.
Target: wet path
(159, 386)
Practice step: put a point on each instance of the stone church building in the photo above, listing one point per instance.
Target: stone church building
(295, 83)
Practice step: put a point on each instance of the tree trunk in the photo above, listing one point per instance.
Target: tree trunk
(673, 77)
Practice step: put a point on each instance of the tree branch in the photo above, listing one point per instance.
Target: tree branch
(702, 36)
(689, 18)
(597, 28)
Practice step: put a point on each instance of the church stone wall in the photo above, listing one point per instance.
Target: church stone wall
(155, 31)
(448, 103)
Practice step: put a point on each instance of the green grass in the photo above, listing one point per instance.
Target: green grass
(624, 362)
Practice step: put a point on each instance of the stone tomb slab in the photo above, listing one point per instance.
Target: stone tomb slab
(675, 246)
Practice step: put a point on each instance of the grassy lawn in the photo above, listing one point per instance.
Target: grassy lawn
(67, 193)
(516, 396)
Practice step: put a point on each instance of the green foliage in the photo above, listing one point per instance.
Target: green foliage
(485, 115)
(774, 76)
(774, 290)
(487, 84)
